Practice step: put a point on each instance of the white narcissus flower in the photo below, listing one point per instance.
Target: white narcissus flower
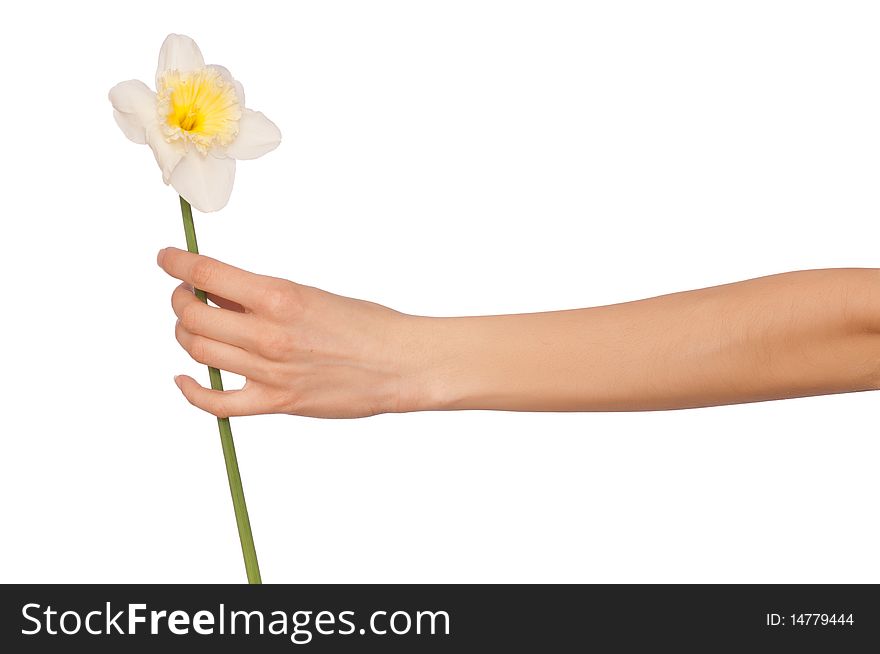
(196, 123)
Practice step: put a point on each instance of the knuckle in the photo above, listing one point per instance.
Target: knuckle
(177, 298)
(190, 317)
(273, 300)
(202, 272)
(198, 350)
(276, 344)
(279, 298)
(220, 408)
(180, 333)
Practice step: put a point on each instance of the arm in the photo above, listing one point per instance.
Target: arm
(308, 352)
(788, 335)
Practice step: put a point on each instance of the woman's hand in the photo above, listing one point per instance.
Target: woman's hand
(308, 352)
(303, 351)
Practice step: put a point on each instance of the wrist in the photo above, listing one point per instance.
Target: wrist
(431, 375)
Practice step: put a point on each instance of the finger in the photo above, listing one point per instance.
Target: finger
(217, 324)
(222, 302)
(219, 355)
(209, 274)
(223, 404)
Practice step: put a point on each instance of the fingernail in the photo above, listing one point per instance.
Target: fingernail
(177, 381)
(160, 256)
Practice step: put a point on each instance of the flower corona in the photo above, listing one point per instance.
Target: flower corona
(200, 107)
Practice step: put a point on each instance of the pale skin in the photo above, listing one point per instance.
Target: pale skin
(304, 351)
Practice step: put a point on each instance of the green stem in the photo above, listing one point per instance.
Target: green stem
(238, 503)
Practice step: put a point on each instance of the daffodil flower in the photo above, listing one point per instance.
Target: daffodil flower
(195, 123)
(197, 126)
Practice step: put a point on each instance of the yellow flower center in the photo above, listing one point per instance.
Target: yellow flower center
(200, 107)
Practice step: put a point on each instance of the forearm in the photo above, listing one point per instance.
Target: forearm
(789, 335)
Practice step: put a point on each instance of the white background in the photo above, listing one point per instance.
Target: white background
(441, 158)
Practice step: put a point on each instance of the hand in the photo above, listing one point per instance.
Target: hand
(302, 350)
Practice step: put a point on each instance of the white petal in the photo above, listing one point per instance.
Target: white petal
(131, 127)
(168, 154)
(257, 135)
(204, 181)
(134, 108)
(181, 53)
(133, 97)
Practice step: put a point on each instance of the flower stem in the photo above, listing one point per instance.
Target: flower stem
(238, 503)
